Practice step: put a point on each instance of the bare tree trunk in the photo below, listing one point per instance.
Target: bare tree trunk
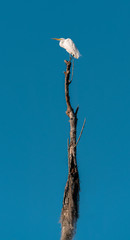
(70, 209)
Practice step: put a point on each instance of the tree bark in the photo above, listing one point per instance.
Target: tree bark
(70, 209)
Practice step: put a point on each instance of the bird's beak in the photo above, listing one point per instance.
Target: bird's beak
(58, 39)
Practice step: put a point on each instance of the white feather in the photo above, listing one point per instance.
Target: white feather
(69, 46)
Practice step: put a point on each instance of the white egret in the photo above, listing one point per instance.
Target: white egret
(69, 46)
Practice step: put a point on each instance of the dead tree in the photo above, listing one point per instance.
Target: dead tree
(70, 209)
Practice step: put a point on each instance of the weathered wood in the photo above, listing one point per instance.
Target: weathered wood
(70, 209)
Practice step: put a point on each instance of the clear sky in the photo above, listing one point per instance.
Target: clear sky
(34, 127)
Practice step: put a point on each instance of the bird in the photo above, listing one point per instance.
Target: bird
(69, 46)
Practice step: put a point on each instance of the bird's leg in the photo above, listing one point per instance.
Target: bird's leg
(70, 57)
(72, 71)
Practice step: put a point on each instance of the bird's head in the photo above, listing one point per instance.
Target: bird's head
(61, 41)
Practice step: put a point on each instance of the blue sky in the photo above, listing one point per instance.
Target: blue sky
(34, 127)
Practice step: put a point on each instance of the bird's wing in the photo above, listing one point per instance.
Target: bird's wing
(70, 46)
